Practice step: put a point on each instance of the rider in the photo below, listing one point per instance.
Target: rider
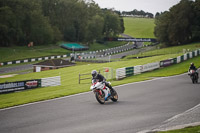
(100, 78)
(192, 67)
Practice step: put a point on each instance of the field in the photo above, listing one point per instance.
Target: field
(139, 27)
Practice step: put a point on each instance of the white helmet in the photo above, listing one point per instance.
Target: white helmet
(94, 73)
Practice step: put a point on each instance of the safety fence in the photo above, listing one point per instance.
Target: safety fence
(33, 59)
(130, 71)
(8, 87)
(80, 56)
(104, 52)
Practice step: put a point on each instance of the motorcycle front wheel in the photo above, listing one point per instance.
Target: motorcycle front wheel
(114, 96)
(100, 98)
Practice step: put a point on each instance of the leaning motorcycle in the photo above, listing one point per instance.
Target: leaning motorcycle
(98, 87)
(193, 76)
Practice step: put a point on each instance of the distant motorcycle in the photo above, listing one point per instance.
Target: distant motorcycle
(193, 76)
(98, 89)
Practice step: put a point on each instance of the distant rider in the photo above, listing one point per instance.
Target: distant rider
(100, 78)
(192, 67)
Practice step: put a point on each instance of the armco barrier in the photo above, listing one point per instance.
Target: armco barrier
(32, 60)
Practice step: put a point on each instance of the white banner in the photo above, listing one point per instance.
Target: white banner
(51, 81)
(137, 69)
(195, 53)
(120, 73)
(190, 55)
(185, 56)
(150, 66)
(178, 59)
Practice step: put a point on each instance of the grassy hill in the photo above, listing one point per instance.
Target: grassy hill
(139, 27)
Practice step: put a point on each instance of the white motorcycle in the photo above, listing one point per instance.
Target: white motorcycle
(100, 90)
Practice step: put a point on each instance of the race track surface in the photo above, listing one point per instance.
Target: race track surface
(141, 106)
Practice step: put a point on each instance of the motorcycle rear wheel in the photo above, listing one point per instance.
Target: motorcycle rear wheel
(100, 98)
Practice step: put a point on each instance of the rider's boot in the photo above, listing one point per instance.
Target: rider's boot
(107, 94)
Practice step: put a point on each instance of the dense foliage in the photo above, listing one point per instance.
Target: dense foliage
(49, 21)
(179, 25)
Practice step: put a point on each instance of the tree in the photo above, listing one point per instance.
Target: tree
(161, 28)
(112, 26)
(7, 26)
(95, 29)
(179, 25)
(196, 21)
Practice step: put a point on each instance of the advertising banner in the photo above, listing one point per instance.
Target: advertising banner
(165, 63)
(19, 85)
(132, 39)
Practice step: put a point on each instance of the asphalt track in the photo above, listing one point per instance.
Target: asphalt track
(141, 106)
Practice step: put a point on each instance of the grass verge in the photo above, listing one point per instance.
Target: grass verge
(195, 129)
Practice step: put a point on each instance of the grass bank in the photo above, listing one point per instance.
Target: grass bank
(139, 27)
(22, 52)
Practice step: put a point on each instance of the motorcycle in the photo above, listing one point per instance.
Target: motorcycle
(193, 76)
(99, 90)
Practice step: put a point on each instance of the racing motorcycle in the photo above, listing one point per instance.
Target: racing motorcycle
(99, 90)
(193, 76)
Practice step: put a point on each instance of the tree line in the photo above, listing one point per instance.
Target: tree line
(135, 12)
(179, 25)
(49, 21)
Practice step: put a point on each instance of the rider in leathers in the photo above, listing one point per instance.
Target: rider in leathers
(192, 67)
(100, 78)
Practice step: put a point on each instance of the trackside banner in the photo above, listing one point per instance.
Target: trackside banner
(132, 39)
(19, 85)
(165, 63)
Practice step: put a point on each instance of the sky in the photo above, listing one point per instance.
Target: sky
(151, 6)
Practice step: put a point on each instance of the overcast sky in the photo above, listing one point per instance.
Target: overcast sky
(151, 6)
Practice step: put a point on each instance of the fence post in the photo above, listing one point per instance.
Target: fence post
(79, 78)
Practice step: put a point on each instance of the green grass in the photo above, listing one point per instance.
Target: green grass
(23, 52)
(69, 79)
(139, 27)
(195, 129)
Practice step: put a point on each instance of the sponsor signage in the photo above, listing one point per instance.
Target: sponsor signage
(131, 39)
(19, 85)
(165, 63)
